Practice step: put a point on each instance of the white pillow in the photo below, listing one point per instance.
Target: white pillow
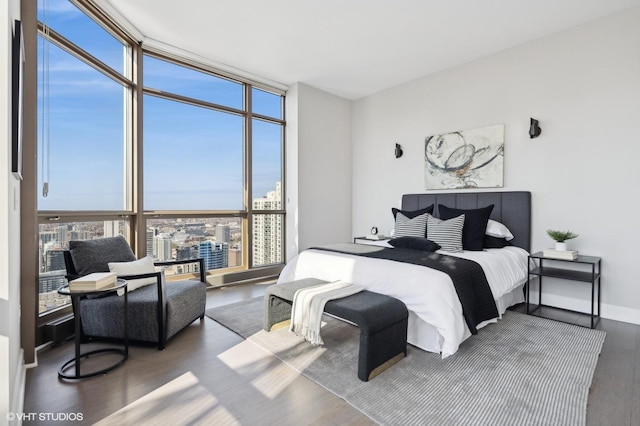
(140, 266)
(497, 229)
(446, 233)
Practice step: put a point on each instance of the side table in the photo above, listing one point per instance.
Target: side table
(591, 276)
(76, 299)
(382, 241)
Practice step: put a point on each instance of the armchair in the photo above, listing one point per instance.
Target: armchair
(156, 311)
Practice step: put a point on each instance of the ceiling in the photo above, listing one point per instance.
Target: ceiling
(351, 48)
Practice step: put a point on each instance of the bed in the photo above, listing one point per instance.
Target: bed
(436, 322)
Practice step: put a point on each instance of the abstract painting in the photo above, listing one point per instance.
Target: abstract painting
(466, 159)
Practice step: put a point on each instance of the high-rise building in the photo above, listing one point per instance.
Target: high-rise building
(79, 234)
(151, 232)
(215, 255)
(223, 233)
(62, 234)
(162, 247)
(271, 201)
(47, 236)
(54, 260)
(267, 229)
(111, 228)
(51, 281)
(187, 252)
(184, 253)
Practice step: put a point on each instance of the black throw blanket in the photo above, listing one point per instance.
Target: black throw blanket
(467, 276)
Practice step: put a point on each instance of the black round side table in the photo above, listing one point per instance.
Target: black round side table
(76, 299)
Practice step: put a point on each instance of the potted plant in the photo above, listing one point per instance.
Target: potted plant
(560, 237)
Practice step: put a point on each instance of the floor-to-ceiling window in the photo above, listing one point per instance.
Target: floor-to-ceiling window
(268, 207)
(85, 105)
(182, 160)
(194, 144)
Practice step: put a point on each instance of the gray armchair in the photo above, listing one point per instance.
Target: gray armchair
(156, 312)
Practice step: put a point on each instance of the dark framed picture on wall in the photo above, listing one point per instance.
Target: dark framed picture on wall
(17, 78)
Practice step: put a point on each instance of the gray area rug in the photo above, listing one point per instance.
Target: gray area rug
(524, 370)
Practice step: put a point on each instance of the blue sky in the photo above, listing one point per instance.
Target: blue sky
(193, 155)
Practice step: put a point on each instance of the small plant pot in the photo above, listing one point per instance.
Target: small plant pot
(561, 246)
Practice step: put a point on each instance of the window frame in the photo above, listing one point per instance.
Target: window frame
(247, 212)
(134, 210)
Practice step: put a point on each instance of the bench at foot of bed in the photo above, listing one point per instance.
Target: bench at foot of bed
(382, 320)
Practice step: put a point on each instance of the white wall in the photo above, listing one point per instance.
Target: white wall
(584, 87)
(318, 168)
(11, 360)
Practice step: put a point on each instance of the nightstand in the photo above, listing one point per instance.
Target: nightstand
(590, 272)
(382, 241)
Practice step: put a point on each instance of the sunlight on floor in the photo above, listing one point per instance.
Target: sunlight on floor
(181, 401)
(275, 380)
(268, 374)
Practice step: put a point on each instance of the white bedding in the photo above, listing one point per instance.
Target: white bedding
(429, 294)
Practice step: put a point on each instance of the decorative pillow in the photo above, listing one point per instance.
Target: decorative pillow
(140, 266)
(446, 233)
(93, 255)
(406, 227)
(475, 224)
(497, 229)
(495, 242)
(412, 213)
(414, 243)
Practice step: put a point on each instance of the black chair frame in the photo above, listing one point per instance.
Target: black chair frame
(72, 274)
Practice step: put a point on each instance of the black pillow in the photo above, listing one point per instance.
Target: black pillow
(414, 243)
(412, 213)
(475, 224)
(495, 242)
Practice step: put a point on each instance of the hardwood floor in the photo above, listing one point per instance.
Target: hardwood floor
(209, 375)
(206, 375)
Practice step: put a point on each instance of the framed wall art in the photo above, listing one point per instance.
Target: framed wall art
(465, 159)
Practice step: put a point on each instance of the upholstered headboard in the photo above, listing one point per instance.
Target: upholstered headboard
(512, 208)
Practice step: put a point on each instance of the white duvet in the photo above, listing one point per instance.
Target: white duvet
(428, 294)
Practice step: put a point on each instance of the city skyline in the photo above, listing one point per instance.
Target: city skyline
(217, 240)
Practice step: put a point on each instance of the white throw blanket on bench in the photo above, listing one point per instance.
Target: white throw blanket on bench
(308, 306)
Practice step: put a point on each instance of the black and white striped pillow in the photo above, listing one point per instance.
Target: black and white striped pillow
(406, 227)
(447, 233)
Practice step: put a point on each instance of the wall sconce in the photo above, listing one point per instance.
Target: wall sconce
(534, 129)
(398, 151)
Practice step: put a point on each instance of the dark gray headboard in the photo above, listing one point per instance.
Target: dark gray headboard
(511, 208)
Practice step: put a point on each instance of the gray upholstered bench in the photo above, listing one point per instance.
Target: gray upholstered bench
(382, 320)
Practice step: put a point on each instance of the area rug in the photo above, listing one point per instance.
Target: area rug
(523, 370)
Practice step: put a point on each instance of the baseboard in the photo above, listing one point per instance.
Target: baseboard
(58, 330)
(612, 312)
(17, 400)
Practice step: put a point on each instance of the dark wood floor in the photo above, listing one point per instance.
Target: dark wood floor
(209, 375)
